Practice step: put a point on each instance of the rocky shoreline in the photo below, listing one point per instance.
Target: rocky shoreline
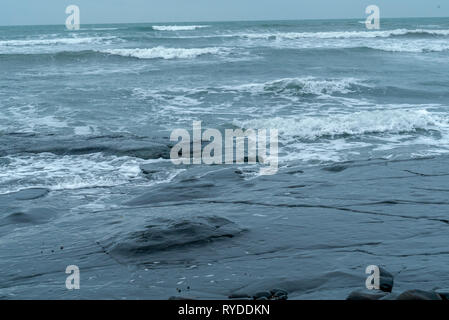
(385, 291)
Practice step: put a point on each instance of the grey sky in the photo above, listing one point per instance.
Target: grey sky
(31, 12)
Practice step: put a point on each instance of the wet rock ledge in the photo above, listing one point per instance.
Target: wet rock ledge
(385, 291)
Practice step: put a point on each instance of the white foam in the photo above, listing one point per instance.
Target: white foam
(358, 123)
(178, 28)
(306, 85)
(166, 53)
(29, 118)
(415, 46)
(378, 40)
(54, 172)
(318, 138)
(56, 41)
(342, 34)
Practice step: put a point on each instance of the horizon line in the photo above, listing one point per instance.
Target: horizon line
(220, 21)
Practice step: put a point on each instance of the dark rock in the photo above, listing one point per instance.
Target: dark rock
(167, 193)
(25, 194)
(279, 294)
(419, 295)
(295, 171)
(168, 234)
(32, 216)
(280, 297)
(149, 171)
(261, 294)
(444, 293)
(112, 145)
(274, 294)
(366, 295)
(179, 298)
(239, 296)
(30, 194)
(386, 280)
(390, 296)
(336, 168)
(278, 291)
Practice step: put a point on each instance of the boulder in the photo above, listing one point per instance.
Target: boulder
(386, 280)
(444, 293)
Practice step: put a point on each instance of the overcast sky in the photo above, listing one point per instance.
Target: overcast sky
(32, 12)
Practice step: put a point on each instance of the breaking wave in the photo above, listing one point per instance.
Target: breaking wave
(178, 28)
(357, 123)
(166, 53)
(346, 34)
(417, 46)
(54, 172)
(56, 41)
(302, 86)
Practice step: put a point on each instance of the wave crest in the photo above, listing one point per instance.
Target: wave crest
(178, 28)
(165, 53)
(56, 41)
(345, 34)
(301, 86)
(358, 123)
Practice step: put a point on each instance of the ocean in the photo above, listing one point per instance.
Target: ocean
(86, 177)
